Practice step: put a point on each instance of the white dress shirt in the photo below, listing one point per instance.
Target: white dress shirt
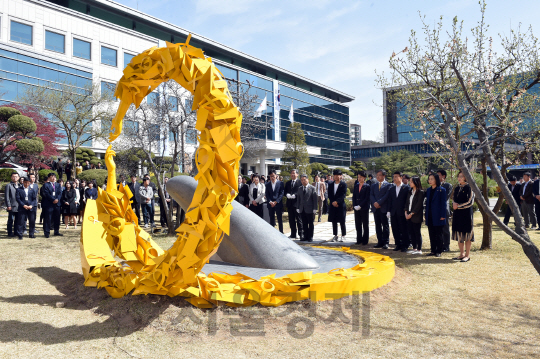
(398, 188)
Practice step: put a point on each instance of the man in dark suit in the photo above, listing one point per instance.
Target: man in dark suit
(306, 204)
(60, 169)
(397, 197)
(527, 201)
(536, 194)
(361, 206)
(164, 201)
(337, 211)
(325, 202)
(515, 188)
(35, 187)
(12, 205)
(136, 198)
(446, 228)
(274, 195)
(295, 220)
(27, 199)
(68, 169)
(243, 192)
(378, 198)
(51, 206)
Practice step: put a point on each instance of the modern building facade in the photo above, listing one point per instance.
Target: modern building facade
(399, 134)
(356, 135)
(92, 40)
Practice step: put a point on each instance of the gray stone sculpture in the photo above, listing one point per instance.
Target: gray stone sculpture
(252, 241)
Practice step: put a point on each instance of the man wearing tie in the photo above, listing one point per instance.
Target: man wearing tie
(51, 206)
(274, 196)
(378, 197)
(536, 193)
(527, 201)
(243, 192)
(27, 200)
(515, 188)
(12, 204)
(306, 204)
(291, 189)
(396, 211)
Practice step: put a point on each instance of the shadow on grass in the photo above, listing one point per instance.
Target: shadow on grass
(124, 316)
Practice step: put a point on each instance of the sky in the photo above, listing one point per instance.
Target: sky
(335, 42)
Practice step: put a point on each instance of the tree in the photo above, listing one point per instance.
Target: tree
(146, 136)
(254, 129)
(76, 112)
(358, 166)
(86, 154)
(180, 120)
(295, 155)
(319, 169)
(403, 160)
(46, 131)
(130, 160)
(18, 136)
(345, 171)
(458, 94)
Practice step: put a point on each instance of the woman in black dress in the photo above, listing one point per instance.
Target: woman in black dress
(361, 208)
(414, 214)
(69, 208)
(462, 223)
(82, 200)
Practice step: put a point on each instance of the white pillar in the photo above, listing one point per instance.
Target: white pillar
(262, 163)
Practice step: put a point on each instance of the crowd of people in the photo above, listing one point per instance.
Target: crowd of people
(64, 203)
(72, 171)
(402, 205)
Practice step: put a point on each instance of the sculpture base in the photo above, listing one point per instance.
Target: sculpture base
(327, 260)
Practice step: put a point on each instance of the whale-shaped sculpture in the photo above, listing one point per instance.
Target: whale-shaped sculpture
(252, 242)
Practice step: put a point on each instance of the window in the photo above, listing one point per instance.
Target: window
(154, 133)
(127, 59)
(81, 49)
(108, 56)
(107, 89)
(21, 33)
(191, 136)
(152, 98)
(173, 103)
(54, 42)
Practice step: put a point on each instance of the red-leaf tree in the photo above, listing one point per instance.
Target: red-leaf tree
(45, 130)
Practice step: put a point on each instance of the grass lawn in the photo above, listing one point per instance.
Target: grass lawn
(434, 308)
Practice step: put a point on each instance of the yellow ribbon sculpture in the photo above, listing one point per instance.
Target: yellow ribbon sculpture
(111, 225)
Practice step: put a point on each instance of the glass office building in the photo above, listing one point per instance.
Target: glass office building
(400, 133)
(43, 48)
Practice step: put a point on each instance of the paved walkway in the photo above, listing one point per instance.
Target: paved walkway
(323, 232)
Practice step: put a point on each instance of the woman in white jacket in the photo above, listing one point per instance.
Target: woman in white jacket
(256, 196)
